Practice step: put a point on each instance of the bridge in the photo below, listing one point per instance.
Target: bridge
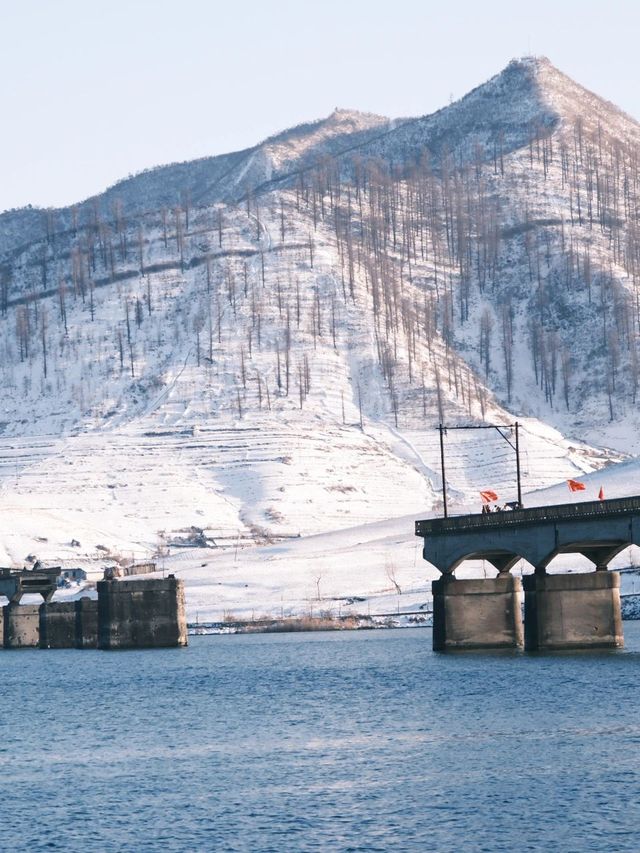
(14, 583)
(596, 529)
(573, 610)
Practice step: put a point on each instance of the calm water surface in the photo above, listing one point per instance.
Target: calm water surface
(358, 741)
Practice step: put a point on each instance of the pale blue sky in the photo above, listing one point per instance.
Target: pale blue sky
(95, 90)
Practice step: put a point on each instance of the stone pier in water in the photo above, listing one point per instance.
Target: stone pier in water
(575, 611)
(137, 614)
(130, 614)
(477, 614)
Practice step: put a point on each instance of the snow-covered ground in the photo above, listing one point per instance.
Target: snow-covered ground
(379, 565)
(338, 506)
(180, 360)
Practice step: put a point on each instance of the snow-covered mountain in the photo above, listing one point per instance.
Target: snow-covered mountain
(226, 178)
(260, 345)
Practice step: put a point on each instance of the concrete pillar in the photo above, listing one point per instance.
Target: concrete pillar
(477, 614)
(86, 623)
(576, 611)
(58, 625)
(21, 626)
(69, 624)
(136, 614)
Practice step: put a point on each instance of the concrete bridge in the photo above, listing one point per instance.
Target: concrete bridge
(561, 611)
(14, 583)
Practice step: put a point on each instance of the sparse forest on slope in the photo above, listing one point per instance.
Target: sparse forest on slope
(478, 264)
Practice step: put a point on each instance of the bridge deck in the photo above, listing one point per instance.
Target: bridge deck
(522, 517)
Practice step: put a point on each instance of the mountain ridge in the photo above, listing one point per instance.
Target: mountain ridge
(478, 264)
(535, 81)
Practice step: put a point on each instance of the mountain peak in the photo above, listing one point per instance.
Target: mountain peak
(532, 62)
(342, 114)
(565, 99)
(527, 76)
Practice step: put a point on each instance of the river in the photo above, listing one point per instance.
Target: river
(350, 741)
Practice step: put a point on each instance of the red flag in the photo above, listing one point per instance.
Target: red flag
(601, 493)
(576, 486)
(488, 496)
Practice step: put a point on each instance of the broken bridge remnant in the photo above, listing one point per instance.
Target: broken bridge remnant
(131, 614)
(14, 583)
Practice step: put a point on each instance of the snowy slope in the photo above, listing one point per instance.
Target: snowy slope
(261, 346)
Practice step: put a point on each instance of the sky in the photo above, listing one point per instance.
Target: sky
(94, 91)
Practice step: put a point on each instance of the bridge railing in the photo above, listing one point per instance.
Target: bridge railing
(535, 515)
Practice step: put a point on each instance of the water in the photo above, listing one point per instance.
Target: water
(353, 741)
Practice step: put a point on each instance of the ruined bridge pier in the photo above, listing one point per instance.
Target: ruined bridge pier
(128, 614)
(562, 611)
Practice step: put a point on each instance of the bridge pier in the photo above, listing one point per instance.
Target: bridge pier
(134, 614)
(575, 611)
(477, 614)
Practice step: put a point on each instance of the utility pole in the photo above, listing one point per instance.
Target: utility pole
(518, 464)
(444, 484)
(499, 428)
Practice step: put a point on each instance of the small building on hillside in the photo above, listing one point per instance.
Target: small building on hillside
(72, 575)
